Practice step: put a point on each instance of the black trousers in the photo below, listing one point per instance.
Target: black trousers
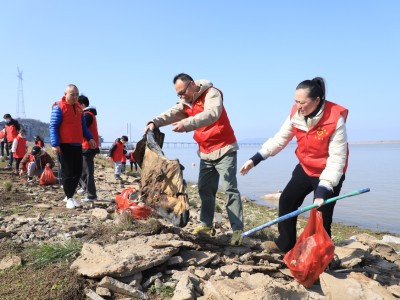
(17, 161)
(71, 167)
(292, 197)
(4, 145)
(87, 178)
(11, 157)
(133, 163)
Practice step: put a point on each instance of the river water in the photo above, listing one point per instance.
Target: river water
(374, 166)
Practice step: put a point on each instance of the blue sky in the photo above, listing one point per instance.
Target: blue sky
(124, 54)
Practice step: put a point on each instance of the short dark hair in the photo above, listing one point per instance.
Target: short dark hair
(124, 137)
(182, 76)
(7, 116)
(82, 99)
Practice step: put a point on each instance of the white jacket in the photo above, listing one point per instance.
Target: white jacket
(333, 171)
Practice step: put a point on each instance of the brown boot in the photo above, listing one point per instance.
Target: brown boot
(271, 247)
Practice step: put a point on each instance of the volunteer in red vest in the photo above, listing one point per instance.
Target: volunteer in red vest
(319, 127)
(88, 186)
(18, 148)
(12, 128)
(67, 130)
(34, 163)
(117, 154)
(201, 109)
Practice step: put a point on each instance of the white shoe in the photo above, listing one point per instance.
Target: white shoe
(87, 200)
(65, 199)
(70, 203)
(76, 203)
(80, 191)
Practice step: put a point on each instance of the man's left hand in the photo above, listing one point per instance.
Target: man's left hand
(92, 144)
(178, 127)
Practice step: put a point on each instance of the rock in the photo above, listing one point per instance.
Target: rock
(121, 288)
(10, 261)
(255, 286)
(149, 281)
(92, 295)
(174, 260)
(197, 258)
(184, 290)
(395, 290)
(386, 251)
(349, 257)
(123, 258)
(355, 286)
(101, 291)
(4, 233)
(100, 214)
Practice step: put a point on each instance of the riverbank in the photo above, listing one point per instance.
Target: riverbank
(40, 239)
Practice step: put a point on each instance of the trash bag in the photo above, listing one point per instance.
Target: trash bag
(162, 185)
(47, 177)
(124, 202)
(312, 252)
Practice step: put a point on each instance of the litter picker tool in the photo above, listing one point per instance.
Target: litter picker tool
(304, 209)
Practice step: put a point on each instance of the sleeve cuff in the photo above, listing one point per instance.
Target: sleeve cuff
(257, 158)
(323, 192)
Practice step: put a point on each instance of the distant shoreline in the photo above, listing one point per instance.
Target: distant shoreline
(375, 142)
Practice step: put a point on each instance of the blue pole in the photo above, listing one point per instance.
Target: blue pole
(304, 209)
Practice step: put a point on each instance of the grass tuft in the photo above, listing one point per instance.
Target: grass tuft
(51, 253)
(8, 185)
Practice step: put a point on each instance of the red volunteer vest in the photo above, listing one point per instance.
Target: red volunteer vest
(214, 136)
(118, 152)
(21, 147)
(312, 146)
(71, 126)
(11, 133)
(93, 129)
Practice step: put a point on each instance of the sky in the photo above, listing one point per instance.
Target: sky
(123, 55)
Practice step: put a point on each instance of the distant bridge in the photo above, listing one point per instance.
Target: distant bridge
(131, 145)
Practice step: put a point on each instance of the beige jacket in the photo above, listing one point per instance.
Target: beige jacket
(212, 112)
(333, 171)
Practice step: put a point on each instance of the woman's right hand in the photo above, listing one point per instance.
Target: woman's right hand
(246, 167)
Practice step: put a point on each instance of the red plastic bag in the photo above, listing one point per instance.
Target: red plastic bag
(47, 177)
(312, 253)
(123, 202)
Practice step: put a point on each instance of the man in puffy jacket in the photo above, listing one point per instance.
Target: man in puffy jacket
(34, 163)
(67, 130)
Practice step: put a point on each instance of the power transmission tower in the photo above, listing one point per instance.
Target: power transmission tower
(20, 96)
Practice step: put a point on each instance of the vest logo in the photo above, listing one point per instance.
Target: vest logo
(320, 133)
(200, 104)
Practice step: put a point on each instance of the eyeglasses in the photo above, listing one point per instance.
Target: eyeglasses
(183, 92)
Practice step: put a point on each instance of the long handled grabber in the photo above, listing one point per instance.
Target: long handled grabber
(304, 209)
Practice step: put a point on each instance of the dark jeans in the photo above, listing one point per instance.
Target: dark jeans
(4, 145)
(87, 179)
(71, 167)
(211, 172)
(17, 161)
(11, 157)
(292, 197)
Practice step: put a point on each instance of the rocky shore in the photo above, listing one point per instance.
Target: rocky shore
(109, 255)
